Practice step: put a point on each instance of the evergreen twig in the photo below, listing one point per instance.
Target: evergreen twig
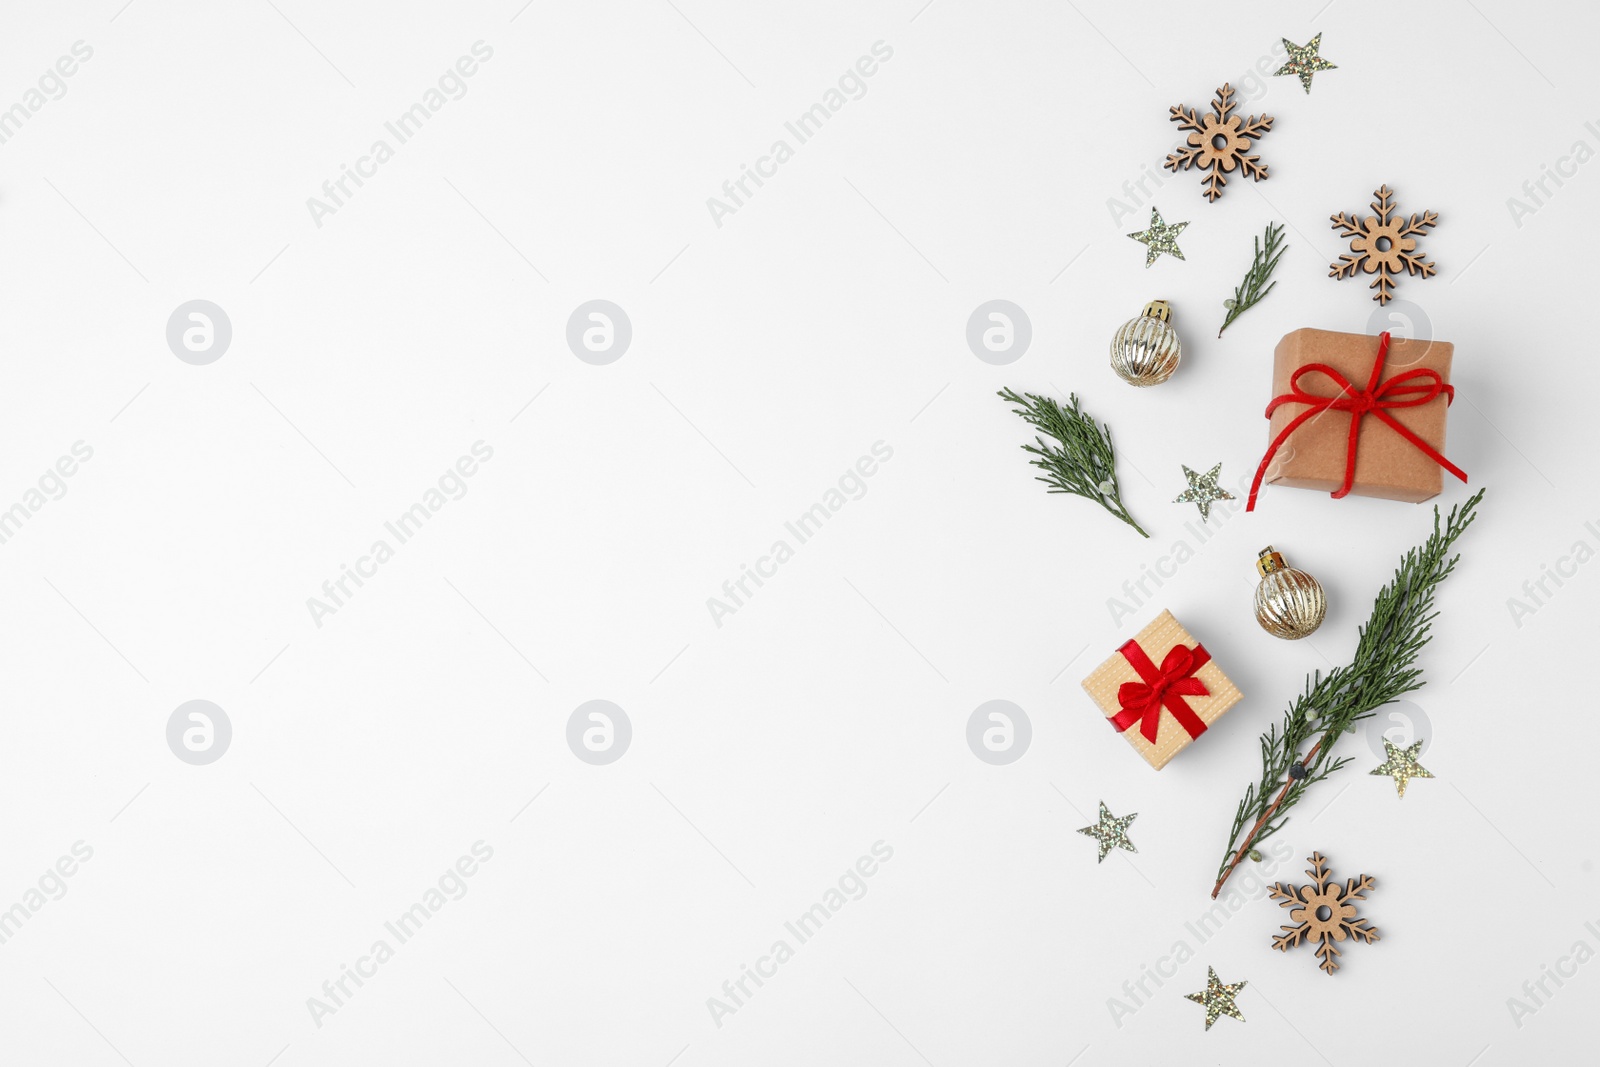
(1250, 292)
(1084, 464)
(1382, 670)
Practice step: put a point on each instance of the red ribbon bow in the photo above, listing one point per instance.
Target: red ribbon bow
(1359, 403)
(1142, 701)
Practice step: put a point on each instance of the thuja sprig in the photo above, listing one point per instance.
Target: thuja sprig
(1084, 462)
(1249, 292)
(1383, 669)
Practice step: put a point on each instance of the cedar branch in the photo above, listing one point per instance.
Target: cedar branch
(1382, 670)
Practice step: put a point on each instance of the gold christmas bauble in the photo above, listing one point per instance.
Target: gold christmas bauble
(1145, 350)
(1289, 603)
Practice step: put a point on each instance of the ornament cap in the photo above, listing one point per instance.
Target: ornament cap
(1269, 560)
(1158, 309)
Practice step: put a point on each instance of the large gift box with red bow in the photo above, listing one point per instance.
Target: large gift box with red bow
(1161, 690)
(1357, 414)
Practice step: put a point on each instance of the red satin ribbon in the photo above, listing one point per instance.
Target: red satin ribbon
(1142, 701)
(1359, 403)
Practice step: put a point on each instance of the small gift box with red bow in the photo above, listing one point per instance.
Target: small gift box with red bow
(1357, 414)
(1161, 690)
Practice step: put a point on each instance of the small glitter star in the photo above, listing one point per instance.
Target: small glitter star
(1160, 237)
(1218, 998)
(1110, 831)
(1203, 491)
(1402, 765)
(1304, 61)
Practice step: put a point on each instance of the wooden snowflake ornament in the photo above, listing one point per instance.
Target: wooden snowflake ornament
(1218, 142)
(1324, 913)
(1382, 244)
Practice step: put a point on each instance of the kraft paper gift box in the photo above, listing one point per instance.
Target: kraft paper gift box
(1406, 385)
(1161, 690)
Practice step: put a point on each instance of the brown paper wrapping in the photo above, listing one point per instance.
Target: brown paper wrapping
(1387, 465)
(1171, 738)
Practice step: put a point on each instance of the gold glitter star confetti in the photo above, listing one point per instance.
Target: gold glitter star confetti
(1203, 490)
(1110, 831)
(1218, 998)
(1401, 764)
(1304, 61)
(1308, 902)
(1160, 237)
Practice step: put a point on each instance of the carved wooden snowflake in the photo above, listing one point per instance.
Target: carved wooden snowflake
(1218, 141)
(1324, 913)
(1383, 244)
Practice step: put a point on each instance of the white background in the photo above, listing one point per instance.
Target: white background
(768, 355)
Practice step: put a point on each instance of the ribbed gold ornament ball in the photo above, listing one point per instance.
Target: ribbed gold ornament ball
(1289, 603)
(1146, 350)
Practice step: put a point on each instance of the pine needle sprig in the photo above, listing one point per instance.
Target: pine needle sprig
(1382, 670)
(1250, 292)
(1084, 463)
